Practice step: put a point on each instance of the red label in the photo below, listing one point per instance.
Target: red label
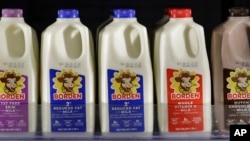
(185, 99)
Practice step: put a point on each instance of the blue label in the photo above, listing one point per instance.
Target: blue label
(126, 110)
(68, 109)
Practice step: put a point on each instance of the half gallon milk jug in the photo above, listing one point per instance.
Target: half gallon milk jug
(182, 75)
(231, 69)
(125, 75)
(18, 73)
(67, 79)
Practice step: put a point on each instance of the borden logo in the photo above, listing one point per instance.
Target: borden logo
(11, 85)
(238, 83)
(67, 85)
(125, 84)
(184, 84)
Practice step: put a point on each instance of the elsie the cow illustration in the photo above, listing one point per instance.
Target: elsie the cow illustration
(10, 80)
(67, 79)
(185, 79)
(126, 80)
(241, 80)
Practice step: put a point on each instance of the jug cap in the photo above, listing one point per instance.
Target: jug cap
(68, 13)
(14, 13)
(178, 12)
(166, 11)
(124, 13)
(238, 11)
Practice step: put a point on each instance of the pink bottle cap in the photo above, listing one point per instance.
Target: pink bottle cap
(12, 13)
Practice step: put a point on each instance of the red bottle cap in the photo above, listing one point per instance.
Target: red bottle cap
(178, 12)
(166, 11)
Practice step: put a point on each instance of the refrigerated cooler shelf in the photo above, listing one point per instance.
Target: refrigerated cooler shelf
(215, 134)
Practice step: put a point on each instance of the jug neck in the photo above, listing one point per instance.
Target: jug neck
(68, 20)
(124, 19)
(12, 19)
(186, 19)
(239, 18)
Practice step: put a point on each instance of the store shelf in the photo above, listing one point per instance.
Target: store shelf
(97, 136)
(213, 135)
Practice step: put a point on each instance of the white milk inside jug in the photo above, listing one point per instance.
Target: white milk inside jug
(18, 73)
(125, 76)
(230, 56)
(67, 79)
(182, 75)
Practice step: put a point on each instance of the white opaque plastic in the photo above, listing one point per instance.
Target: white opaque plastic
(19, 58)
(179, 46)
(67, 46)
(123, 47)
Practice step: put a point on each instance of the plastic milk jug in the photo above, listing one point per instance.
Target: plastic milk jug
(182, 75)
(67, 75)
(125, 75)
(230, 54)
(18, 73)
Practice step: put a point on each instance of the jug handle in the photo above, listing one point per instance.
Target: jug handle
(86, 42)
(241, 50)
(195, 46)
(26, 38)
(143, 35)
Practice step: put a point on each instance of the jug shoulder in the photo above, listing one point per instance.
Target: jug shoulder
(234, 27)
(233, 23)
(123, 23)
(173, 26)
(18, 23)
(59, 26)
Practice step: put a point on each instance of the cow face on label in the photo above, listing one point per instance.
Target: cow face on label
(241, 79)
(125, 81)
(185, 80)
(10, 80)
(67, 79)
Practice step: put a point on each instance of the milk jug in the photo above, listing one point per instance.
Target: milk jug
(230, 55)
(125, 75)
(182, 75)
(67, 75)
(18, 73)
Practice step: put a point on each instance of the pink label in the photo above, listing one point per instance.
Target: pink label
(13, 102)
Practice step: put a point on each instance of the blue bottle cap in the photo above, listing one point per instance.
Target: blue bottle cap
(68, 13)
(124, 13)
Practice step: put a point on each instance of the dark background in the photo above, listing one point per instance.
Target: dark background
(41, 13)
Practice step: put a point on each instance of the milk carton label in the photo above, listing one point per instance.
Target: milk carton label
(13, 101)
(185, 96)
(236, 96)
(68, 111)
(126, 110)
